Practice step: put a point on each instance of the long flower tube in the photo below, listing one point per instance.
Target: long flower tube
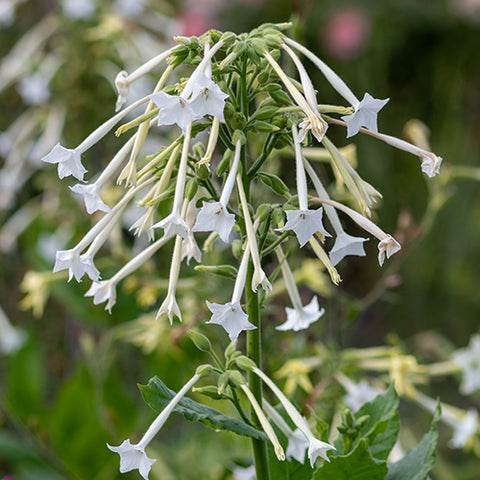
(345, 244)
(317, 448)
(133, 457)
(387, 246)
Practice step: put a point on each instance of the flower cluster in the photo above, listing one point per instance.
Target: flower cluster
(238, 90)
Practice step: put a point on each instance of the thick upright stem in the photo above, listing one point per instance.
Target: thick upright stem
(254, 351)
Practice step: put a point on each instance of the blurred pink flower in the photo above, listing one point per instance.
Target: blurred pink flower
(346, 32)
(195, 21)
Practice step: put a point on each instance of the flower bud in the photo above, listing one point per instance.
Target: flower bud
(191, 189)
(222, 383)
(204, 370)
(228, 271)
(245, 363)
(230, 349)
(200, 341)
(236, 377)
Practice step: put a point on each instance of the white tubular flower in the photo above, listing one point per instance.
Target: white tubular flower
(91, 197)
(174, 223)
(313, 120)
(213, 216)
(170, 306)
(91, 193)
(11, 338)
(298, 317)
(133, 457)
(297, 442)
(201, 96)
(231, 315)
(304, 222)
(69, 160)
(468, 359)
(105, 290)
(430, 162)
(357, 393)
(189, 246)
(267, 428)
(259, 277)
(366, 111)
(123, 80)
(387, 245)
(316, 448)
(365, 115)
(76, 264)
(346, 244)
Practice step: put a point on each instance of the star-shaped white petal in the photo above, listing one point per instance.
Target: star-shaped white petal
(297, 446)
(207, 98)
(300, 319)
(468, 359)
(213, 216)
(76, 264)
(68, 161)
(173, 224)
(317, 449)
(365, 115)
(174, 109)
(170, 308)
(91, 197)
(344, 245)
(103, 291)
(387, 247)
(305, 223)
(231, 317)
(133, 457)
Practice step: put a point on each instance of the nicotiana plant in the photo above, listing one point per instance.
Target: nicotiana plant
(245, 108)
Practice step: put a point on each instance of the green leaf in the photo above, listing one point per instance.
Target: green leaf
(288, 470)
(158, 395)
(380, 429)
(418, 461)
(357, 465)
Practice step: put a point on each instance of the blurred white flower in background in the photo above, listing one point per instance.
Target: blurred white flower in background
(78, 9)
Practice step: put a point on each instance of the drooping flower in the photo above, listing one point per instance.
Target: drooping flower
(316, 448)
(201, 96)
(76, 264)
(297, 442)
(231, 315)
(91, 197)
(346, 244)
(213, 216)
(304, 222)
(313, 121)
(259, 276)
(103, 291)
(365, 111)
(174, 223)
(387, 245)
(468, 359)
(68, 160)
(365, 115)
(133, 457)
(189, 246)
(299, 317)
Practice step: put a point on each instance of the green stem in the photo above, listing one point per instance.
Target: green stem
(254, 351)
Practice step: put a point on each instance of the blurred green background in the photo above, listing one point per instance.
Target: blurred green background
(72, 386)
